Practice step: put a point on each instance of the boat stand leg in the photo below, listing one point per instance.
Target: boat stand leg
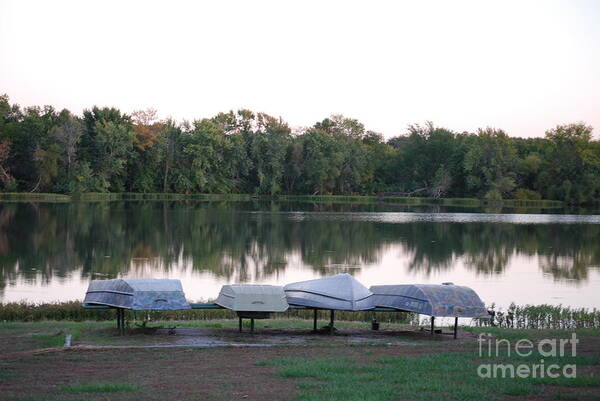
(314, 320)
(331, 323)
(432, 323)
(122, 322)
(455, 327)
(252, 326)
(119, 322)
(240, 324)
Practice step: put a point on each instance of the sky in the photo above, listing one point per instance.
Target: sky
(522, 66)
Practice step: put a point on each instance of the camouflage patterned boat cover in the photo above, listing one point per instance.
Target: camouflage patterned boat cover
(430, 299)
(137, 294)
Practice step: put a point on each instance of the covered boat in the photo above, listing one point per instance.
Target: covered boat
(339, 292)
(252, 298)
(137, 294)
(252, 301)
(443, 300)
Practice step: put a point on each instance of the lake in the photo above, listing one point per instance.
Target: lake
(50, 251)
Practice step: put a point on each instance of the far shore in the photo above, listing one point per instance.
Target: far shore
(366, 199)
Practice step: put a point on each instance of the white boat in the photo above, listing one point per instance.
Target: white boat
(339, 292)
(252, 298)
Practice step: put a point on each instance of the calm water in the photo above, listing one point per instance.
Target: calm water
(50, 252)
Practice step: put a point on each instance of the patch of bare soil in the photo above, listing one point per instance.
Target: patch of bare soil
(12, 340)
(268, 337)
(184, 369)
(224, 373)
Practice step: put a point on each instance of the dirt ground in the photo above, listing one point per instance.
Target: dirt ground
(269, 337)
(204, 363)
(201, 363)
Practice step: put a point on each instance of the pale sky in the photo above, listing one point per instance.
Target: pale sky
(522, 66)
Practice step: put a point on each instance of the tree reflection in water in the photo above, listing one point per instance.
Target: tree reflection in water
(241, 241)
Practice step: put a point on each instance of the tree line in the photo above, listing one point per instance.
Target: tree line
(106, 150)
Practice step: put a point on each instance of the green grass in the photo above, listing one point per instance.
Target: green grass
(9, 376)
(49, 334)
(72, 311)
(326, 371)
(546, 316)
(450, 376)
(54, 333)
(77, 388)
(531, 334)
(36, 197)
(519, 317)
(278, 323)
(50, 340)
(565, 396)
(36, 398)
(409, 201)
(423, 201)
(435, 376)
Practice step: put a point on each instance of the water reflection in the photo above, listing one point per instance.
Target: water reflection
(255, 241)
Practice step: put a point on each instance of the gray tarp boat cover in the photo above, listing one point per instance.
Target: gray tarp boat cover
(430, 299)
(341, 292)
(137, 294)
(252, 298)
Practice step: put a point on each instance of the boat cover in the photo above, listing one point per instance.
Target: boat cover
(430, 299)
(252, 298)
(339, 292)
(137, 294)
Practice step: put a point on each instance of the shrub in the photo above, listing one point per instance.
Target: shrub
(527, 194)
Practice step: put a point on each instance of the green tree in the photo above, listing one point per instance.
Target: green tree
(106, 144)
(106, 150)
(571, 165)
(207, 148)
(490, 164)
(268, 147)
(142, 174)
(5, 177)
(322, 162)
(426, 159)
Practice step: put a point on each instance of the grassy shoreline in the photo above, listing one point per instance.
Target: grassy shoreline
(365, 199)
(515, 317)
(71, 311)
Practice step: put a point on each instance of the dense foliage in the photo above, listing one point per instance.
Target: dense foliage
(515, 317)
(105, 150)
(546, 317)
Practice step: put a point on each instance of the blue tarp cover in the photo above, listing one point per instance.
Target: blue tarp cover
(137, 294)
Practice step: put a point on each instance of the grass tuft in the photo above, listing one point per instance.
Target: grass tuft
(77, 388)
